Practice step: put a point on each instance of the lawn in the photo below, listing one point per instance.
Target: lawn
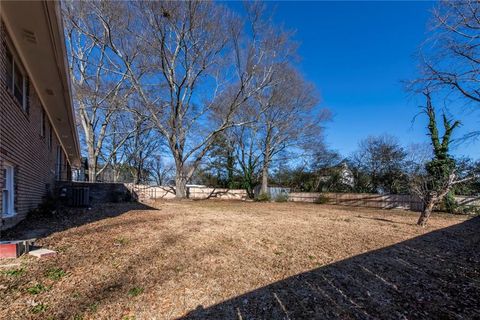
(245, 260)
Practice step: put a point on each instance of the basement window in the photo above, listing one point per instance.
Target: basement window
(17, 82)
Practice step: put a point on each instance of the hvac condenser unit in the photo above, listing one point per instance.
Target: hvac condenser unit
(80, 197)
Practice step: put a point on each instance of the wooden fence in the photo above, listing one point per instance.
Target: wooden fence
(391, 201)
(468, 201)
(361, 200)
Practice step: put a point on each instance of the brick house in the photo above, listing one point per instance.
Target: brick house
(38, 138)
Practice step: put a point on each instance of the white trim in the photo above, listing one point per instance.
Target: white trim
(8, 190)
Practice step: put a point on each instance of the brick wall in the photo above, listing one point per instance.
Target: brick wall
(22, 146)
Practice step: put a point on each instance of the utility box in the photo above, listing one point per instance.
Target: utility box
(13, 249)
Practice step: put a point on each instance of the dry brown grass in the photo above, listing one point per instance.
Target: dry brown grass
(163, 263)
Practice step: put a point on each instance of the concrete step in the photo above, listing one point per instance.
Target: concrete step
(42, 253)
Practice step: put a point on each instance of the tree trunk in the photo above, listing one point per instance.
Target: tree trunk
(180, 186)
(248, 182)
(264, 188)
(230, 168)
(116, 173)
(427, 211)
(266, 163)
(250, 192)
(92, 166)
(138, 174)
(183, 174)
(249, 186)
(136, 180)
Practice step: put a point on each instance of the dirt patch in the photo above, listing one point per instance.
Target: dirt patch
(219, 259)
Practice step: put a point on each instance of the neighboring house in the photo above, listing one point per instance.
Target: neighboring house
(346, 175)
(339, 175)
(38, 137)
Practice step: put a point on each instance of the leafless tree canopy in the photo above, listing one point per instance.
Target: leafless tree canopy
(379, 165)
(100, 95)
(450, 58)
(195, 68)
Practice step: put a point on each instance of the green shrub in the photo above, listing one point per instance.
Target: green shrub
(283, 197)
(321, 199)
(121, 241)
(48, 205)
(93, 307)
(263, 197)
(135, 291)
(55, 273)
(39, 308)
(14, 272)
(449, 203)
(47, 208)
(37, 289)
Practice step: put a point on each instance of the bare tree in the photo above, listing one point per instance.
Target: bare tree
(219, 164)
(185, 59)
(194, 67)
(278, 119)
(98, 89)
(379, 165)
(248, 155)
(114, 146)
(139, 149)
(160, 171)
(324, 162)
(450, 60)
(286, 117)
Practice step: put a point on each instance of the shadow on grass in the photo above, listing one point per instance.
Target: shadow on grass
(433, 276)
(386, 220)
(41, 225)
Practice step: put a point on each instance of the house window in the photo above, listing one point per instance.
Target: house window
(9, 70)
(42, 123)
(8, 191)
(49, 137)
(17, 83)
(58, 166)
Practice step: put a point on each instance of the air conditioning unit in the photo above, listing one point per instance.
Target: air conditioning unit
(80, 197)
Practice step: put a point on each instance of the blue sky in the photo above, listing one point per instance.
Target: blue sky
(357, 54)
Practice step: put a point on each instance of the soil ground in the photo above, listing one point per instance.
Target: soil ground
(244, 260)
